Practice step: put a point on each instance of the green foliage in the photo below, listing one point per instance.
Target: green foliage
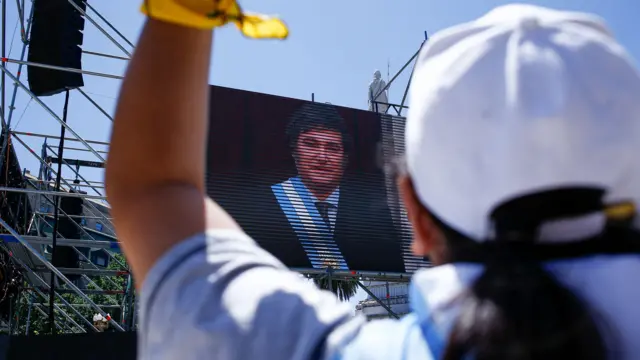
(344, 289)
(39, 322)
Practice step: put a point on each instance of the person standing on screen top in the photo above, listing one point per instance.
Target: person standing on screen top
(321, 206)
(523, 196)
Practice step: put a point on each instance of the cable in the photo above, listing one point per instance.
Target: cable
(13, 37)
(15, 127)
(56, 213)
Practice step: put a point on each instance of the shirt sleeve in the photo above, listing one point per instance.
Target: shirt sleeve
(220, 296)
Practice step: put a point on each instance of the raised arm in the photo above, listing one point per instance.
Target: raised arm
(206, 289)
(156, 167)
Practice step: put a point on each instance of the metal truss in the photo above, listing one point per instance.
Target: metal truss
(65, 295)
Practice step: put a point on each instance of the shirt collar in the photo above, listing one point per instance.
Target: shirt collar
(332, 199)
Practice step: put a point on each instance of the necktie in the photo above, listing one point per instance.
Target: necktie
(323, 209)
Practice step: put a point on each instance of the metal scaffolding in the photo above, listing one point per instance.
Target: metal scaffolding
(65, 297)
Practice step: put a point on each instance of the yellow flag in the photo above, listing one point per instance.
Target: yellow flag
(209, 14)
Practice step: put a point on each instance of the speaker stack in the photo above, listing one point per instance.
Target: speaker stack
(56, 37)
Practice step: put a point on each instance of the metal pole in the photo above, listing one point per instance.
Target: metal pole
(123, 313)
(389, 91)
(95, 104)
(130, 306)
(83, 305)
(84, 150)
(55, 216)
(19, 305)
(71, 216)
(53, 114)
(378, 300)
(388, 295)
(86, 16)
(10, 313)
(26, 332)
(105, 55)
(4, 55)
(93, 181)
(14, 93)
(86, 291)
(62, 68)
(45, 192)
(135, 318)
(23, 35)
(109, 24)
(406, 89)
(53, 137)
(26, 213)
(41, 240)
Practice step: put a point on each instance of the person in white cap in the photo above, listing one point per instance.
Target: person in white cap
(522, 175)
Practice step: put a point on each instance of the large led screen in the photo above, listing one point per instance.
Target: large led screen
(306, 180)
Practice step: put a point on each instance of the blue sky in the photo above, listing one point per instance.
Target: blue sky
(333, 50)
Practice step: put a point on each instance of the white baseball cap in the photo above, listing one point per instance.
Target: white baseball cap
(521, 100)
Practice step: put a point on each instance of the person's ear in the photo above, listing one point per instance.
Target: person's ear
(425, 232)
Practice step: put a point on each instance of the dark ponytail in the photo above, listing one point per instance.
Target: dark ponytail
(516, 309)
(518, 312)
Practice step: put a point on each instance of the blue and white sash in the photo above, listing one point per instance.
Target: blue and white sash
(314, 233)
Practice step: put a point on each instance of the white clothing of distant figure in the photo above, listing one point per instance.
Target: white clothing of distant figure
(377, 87)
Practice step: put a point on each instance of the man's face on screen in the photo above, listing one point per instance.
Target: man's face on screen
(320, 158)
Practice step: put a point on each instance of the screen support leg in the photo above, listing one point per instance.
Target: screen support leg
(388, 308)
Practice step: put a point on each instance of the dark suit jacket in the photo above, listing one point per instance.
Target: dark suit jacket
(364, 230)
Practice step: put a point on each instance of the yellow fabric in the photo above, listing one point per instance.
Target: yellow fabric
(621, 211)
(209, 14)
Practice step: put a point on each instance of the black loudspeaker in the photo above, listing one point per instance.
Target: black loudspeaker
(56, 36)
(66, 257)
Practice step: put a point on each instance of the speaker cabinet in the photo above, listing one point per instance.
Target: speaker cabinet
(56, 37)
